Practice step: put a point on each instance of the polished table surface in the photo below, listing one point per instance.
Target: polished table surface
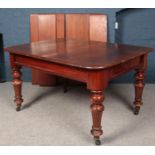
(82, 54)
(94, 63)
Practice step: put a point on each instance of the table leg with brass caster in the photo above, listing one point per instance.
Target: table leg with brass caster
(17, 84)
(97, 109)
(139, 85)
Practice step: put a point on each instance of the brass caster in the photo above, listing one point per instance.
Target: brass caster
(97, 141)
(137, 109)
(18, 108)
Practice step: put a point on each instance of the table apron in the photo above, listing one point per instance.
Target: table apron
(53, 68)
(125, 67)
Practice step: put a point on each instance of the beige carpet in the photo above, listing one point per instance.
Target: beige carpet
(50, 117)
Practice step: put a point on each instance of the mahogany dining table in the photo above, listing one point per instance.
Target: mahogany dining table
(94, 63)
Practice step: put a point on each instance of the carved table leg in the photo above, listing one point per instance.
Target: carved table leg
(97, 109)
(139, 85)
(17, 84)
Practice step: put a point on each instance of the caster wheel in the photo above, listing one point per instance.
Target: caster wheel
(97, 142)
(136, 111)
(18, 108)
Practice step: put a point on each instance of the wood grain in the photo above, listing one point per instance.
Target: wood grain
(47, 27)
(77, 26)
(34, 35)
(82, 54)
(60, 26)
(98, 28)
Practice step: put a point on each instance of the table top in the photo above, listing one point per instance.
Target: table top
(81, 54)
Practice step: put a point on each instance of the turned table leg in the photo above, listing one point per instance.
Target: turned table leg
(17, 84)
(139, 85)
(97, 109)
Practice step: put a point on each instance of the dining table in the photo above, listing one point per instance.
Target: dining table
(94, 63)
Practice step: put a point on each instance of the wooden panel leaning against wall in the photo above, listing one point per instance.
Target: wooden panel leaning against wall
(66, 26)
(45, 27)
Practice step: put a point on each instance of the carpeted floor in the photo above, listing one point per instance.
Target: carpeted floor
(51, 117)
